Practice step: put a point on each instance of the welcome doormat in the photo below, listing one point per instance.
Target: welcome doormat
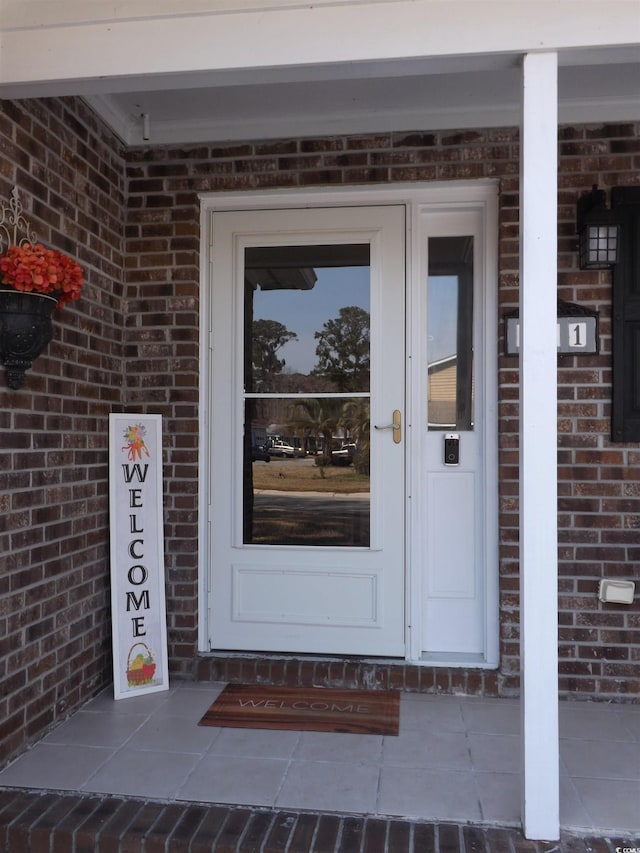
(308, 709)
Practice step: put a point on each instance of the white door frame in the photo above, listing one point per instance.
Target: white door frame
(434, 197)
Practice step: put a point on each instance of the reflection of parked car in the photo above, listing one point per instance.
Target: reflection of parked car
(259, 454)
(344, 456)
(280, 448)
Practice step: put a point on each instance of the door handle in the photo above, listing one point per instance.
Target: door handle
(396, 426)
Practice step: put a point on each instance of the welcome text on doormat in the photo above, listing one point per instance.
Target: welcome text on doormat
(313, 709)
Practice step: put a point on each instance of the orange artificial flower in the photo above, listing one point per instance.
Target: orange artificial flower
(35, 268)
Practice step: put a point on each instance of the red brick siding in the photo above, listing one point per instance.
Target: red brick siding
(54, 591)
(162, 367)
(599, 508)
(132, 218)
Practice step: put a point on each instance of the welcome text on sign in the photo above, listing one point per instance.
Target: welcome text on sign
(138, 611)
(137, 574)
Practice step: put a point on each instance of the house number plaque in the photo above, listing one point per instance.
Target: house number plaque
(576, 331)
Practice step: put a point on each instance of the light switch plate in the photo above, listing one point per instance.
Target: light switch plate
(616, 592)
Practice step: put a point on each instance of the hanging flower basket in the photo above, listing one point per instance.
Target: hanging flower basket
(32, 268)
(33, 281)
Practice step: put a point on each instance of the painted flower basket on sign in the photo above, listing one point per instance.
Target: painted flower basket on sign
(140, 667)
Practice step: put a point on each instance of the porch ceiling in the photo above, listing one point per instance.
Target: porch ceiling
(595, 85)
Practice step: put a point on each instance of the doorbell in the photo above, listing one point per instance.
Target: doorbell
(452, 448)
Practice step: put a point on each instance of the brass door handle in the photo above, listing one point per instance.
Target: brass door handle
(396, 426)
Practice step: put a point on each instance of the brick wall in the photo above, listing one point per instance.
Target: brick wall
(599, 498)
(161, 364)
(599, 506)
(54, 593)
(131, 343)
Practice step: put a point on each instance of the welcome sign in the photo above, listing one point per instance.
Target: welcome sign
(137, 555)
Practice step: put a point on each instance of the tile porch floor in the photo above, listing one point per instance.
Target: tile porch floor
(456, 759)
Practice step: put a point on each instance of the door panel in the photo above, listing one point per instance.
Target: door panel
(453, 610)
(307, 498)
(325, 595)
(455, 500)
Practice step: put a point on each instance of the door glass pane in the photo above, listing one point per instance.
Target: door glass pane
(450, 387)
(307, 319)
(307, 379)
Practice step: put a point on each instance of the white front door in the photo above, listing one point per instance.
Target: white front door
(307, 446)
(349, 470)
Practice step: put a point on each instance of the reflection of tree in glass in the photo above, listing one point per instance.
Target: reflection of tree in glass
(356, 420)
(317, 419)
(268, 336)
(343, 350)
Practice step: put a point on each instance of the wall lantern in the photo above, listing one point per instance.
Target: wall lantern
(598, 231)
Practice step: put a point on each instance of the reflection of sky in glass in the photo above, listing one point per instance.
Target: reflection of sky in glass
(306, 311)
(443, 316)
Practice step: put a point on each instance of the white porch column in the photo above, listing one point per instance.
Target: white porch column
(538, 447)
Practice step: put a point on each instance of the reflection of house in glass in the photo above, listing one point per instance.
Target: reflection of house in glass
(450, 405)
(441, 392)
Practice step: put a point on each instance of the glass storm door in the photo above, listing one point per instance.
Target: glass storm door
(307, 433)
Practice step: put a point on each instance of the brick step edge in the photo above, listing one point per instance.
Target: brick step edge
(46, 821)
(285, 670)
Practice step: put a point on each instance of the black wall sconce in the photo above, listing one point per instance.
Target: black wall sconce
(598, 231)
